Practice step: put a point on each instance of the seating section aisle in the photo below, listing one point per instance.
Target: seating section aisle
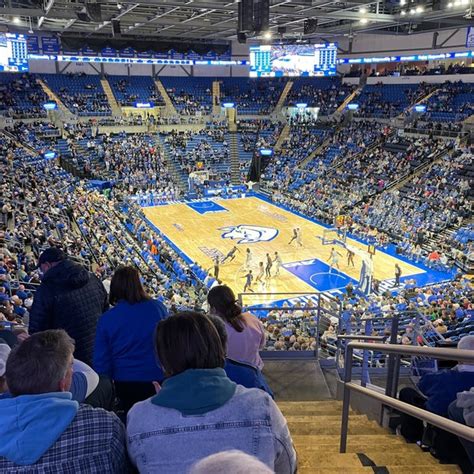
(21, 96)
(131, 89)
(190, 95)
(82, 94)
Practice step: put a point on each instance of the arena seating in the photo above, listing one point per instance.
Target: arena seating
(21, 96)
(453, 102)
(190, 94)
(131, 89)
(251, 96)
(322, 92)
(82, 94)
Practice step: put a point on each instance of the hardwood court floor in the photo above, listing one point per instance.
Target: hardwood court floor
(197, 230)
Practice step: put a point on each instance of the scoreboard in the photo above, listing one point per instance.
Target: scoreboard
(293, 60)
(13, 53)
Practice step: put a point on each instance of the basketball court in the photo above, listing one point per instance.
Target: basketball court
(202, 230)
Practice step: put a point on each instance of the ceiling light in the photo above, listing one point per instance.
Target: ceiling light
(450, 5)
(267, 35)
(364, 21)
(465, 2)
(362, 10)
(419, 10)
(403, 13)
(119, 6)
(403, 2)
(16, 19)
(457, 3)
(412, 11)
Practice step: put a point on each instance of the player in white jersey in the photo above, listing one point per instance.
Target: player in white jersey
(248, 258)
(334, 259)
(278, 263)
(299, 242)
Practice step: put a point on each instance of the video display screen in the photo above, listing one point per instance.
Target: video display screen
(293, 60)
(13, 53)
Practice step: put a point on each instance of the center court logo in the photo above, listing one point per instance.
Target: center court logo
(249, 234)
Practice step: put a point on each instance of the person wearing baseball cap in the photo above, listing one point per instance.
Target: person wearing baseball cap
(69, 298)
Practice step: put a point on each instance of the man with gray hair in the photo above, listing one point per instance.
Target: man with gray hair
(42, 428)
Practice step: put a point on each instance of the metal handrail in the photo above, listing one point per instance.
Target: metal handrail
(453, 427)
(361, 337)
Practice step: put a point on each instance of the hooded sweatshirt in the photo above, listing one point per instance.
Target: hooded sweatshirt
(73, 299)
(31, 424)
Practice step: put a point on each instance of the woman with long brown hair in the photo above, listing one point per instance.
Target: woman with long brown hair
(124, 338)
(245, 332)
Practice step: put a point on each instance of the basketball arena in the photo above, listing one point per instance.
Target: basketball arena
(236, 236)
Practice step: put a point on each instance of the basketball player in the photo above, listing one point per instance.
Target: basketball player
(350, 257)
(278, 263)
(216, 267)
(248, 258)
(261, 272)
(299, 243)
(231, 254)
(334, 259)
(268, 266)
(294, 237)
(248, 281)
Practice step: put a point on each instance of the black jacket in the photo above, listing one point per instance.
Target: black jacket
(72, 299)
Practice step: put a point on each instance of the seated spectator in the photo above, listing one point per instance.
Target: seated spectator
(435, 392)
(245, 332)
(69, 298)
(462, 411)
(124, 339)
(4, 353)
(199, 407)
(42, 427)
(240, 372)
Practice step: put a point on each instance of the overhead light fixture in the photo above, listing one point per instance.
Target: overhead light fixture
(119, 6)
(364, 21)
(403, 2)
(412, 11)
(450, 5)
(267, 35)
(403, 12)
(362, 10)
(419, 9)
(16, 20)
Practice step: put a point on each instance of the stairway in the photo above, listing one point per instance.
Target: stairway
(114, 105)
(178, 176)
(53, 97)
(315, 428)
(234, 159)
(283, 96)
(418, 100)
(216, 98)
(283, 136)
(170, 109)
(347, 100)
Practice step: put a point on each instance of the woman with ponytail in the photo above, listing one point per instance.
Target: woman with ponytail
(245, 332)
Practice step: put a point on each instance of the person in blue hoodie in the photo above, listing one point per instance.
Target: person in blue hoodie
(42, 429)
(124, 338)
(435, 392)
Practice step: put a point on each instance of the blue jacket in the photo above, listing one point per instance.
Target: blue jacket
(246, 375)
(200, 412)
(442, 387)
(124, 348)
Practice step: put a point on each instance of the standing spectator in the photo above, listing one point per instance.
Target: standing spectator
(69, 298)
(124, 339)
(200, 408)
(398, 274)
(43, 429)
(245, 332)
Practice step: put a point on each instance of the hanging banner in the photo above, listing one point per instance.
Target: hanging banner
(50, 44)
(32, 43)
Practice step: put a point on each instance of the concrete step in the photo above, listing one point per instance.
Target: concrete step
(328, 426)
(440, 469)
(310, 404)
(308, 459)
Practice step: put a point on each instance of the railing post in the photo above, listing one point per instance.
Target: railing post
(365, 358)
(318, 320)
(347, 397)
(390, 389)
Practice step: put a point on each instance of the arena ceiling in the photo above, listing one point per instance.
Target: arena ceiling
(207, 21)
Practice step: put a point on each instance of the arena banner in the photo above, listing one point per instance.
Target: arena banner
(32, 43)
(50, 45)
(127, 52)
(470, 37)
(109, 52)
(88, 51)
(145, 54)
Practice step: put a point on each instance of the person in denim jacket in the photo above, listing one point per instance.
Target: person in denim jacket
(199, 411)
